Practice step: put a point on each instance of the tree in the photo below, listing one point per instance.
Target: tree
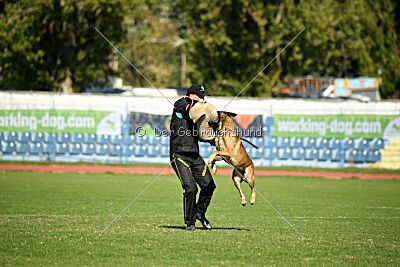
(50, 45)
(229, 42)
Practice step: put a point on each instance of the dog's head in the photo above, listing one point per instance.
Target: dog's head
(205, 115)
(224, 115)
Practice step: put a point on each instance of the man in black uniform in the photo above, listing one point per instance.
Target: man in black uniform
(187, 162)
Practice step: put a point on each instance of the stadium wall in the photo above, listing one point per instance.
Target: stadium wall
(103, 128)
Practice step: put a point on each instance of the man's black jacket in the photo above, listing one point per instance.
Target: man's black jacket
(184, 137)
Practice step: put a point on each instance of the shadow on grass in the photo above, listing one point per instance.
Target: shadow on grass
(201, 228)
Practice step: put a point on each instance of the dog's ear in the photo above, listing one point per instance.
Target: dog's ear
(230, 114)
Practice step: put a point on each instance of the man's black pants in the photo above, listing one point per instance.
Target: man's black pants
(191, 169)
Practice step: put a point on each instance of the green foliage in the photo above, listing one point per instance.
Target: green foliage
(43, 43)
(227, 43)
(230, 41)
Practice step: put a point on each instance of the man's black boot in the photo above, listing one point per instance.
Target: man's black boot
(190, 227)
(206, 224)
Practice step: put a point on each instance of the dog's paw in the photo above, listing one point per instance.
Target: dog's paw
(214, 168)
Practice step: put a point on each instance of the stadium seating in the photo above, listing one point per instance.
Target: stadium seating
(298, 153)
(37, 149)
(89, 149)
(23, 149)
(38, 137)
(11, 137)
(103, 149)
(271, 150)
(309, 143)
(62, 149)
(78, 138)
(105, 139)
(90, 139)
(76, 149)
(64, 138)
(311, 154)
(24, 137)
(116, 151)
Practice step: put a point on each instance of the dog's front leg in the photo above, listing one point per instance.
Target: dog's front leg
(217, 156)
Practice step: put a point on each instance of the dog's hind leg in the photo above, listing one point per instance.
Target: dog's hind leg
(250, 177)
(237, 179)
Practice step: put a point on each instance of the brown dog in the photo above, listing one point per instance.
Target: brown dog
(230, 148)
(218, 129)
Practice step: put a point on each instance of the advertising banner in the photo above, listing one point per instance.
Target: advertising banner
(337, 126)
(61, 121)
(150, 124)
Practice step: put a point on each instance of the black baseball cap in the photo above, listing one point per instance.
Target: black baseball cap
(197, 89)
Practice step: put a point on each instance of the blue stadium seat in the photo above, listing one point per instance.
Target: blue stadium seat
(311, 154)
(37, 149)
(165, 140)
(140, 151)
(105, 139)
(154, 151)
(273, 142)
(274, 153)
(103, 150)
(284, 153)
(348, 143)
(131, 140)
(64, 138)
(89, 149)
(257, 153)
(116, 151)
(2, 136)
(118, 140)
(130, 150)
(267, 141)
(62, 148)
(296, 142)
(355, 155)
(49, 148)
(24, 137)
(78, 138)
(334, 143)
(337, 155)
(23, 148)
(373, 156)
(76, 149)
(164, 151)
(10, 148)
(141, 140)
(309, 143)
(283, 142)
(151, 140)
(11, 137)
(325, 154)
(267, 153)
(298, 153)
(377, 144)
(363, 144)
(91, 139)
(38, 137)
(322, 143)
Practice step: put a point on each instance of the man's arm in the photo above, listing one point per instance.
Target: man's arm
(183, 107)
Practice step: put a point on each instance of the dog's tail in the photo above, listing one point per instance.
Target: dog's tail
(241, 138)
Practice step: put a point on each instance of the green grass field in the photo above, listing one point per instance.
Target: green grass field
(49, 218)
